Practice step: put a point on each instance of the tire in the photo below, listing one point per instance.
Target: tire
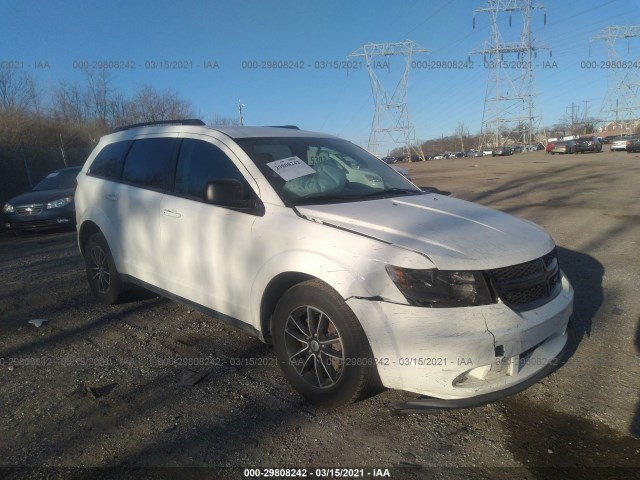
(103, 278)
(320, 345)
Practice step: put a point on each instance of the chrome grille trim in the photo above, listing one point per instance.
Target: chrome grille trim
(29, 210)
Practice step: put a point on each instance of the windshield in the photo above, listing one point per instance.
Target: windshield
(307, 171)
(58, 180)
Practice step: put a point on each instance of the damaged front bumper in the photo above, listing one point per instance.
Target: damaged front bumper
(463, 357)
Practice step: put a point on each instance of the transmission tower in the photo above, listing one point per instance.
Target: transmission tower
(509, 109)
(391, 122)
(621, 104)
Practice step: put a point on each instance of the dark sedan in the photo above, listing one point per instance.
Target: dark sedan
(633, 145)
(48, 205)
(501, 151)
(587, 144)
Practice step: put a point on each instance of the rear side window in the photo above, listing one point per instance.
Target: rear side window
(108, 163)
(150, 163)
(201, 162)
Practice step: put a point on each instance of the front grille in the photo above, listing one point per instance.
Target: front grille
(27, 210)
(528, 285)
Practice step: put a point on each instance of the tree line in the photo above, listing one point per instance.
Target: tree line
(42, 129)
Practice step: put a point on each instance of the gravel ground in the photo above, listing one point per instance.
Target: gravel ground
(152, 383)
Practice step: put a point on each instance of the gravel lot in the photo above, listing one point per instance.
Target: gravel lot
(152, 383)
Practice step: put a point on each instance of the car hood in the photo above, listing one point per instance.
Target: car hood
(452, 233)
(42, 196)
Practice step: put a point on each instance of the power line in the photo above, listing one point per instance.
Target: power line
(621, 104)
(509, 110)
(391, 120)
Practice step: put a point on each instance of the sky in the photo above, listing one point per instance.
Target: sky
(237, 50)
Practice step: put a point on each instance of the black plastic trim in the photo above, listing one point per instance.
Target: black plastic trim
(226, 319)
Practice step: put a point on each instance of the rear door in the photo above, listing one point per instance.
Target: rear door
(146, 175)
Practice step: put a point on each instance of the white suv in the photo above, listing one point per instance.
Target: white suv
(352, 282)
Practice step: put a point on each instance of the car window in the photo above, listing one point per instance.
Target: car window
(150, 162)
(323, 170)
(108, 163)
(58, 180)
(200, 162)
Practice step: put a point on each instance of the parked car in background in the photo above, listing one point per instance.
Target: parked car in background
(619, 144)
(633, 145)
(50, 204)
(587, 144)
(564, 146)
(389, 159)
(518, 149)
(501, 151)
(608, 139)
(487, 151)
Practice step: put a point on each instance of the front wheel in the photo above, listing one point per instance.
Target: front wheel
(320, 345)
(104, 280)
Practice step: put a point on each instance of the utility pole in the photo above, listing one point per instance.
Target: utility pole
(573, 118)
(621, 104)
(585, 115)
(64, 156)
(509, 105)
(240, 107)
(391, 122)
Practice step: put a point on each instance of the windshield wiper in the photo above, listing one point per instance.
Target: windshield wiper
(320, 199)
(390, 191)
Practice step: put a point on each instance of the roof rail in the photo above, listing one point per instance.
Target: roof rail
(186, 121)
(292, 127)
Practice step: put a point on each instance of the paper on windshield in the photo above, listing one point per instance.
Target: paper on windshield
(291, 168)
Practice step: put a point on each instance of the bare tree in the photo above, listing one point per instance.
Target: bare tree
(98, 95)
(68, 103)
(461, 132)
(149, 105)
(18, 92)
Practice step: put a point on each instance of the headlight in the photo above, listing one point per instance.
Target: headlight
(441, 288)
(61, 202)
(8, 208)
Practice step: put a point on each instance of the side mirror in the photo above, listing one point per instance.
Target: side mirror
(227, 192)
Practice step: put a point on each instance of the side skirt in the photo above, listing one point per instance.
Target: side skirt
(226, 319)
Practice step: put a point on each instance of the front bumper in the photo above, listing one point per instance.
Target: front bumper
(46, 219)
(482, 353)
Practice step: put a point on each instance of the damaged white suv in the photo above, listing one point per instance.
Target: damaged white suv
(355, 280)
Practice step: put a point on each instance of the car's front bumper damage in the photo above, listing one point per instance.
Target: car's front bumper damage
(462, 357)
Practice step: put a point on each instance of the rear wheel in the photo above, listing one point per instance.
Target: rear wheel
(104, 281)
(320, 345)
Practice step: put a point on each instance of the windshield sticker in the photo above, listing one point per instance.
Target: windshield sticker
(291, 168)
(54, 174)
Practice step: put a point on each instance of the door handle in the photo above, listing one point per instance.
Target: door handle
(171, 213)
(111, 196)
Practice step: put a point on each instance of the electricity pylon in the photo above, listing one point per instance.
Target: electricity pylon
(391, 117)
(621, 104)
(509, 104)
